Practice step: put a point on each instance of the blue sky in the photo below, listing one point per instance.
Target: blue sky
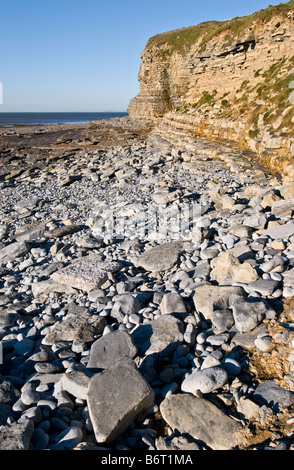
(84, 55)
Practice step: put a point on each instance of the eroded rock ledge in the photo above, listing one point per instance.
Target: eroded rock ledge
(229, 80)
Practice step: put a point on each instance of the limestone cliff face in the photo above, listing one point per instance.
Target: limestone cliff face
(232, 79)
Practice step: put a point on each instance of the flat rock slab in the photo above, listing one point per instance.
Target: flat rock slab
(247, 340)
(62, 231)
(32, 233)
(116, 397)
(75, 327)
(111, 348)
(160, 336)
(45, 287)
(160, 258)
(270, 394)
(280, 231)
(12, 251)
(202, 420)
(208, 298)
(86, 274)
(17, 436)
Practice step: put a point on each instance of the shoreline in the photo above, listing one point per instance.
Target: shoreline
(58, 126)
(31, 128)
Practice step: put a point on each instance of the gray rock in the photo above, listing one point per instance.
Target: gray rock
(218, 340)
(176, 443)
(247, 340)
(264, 343)
(160, 258)
(274, 263)
(68, 439)
(248, 313)
(202, 269)
(74, 327)
(162, 197)
(76, 383)
(270, 394)
(16, 436)
(62, 231)
(283, 208)
(172, 303)
(29, 396)
(126, 304)
(190, 416)
(288, 278)
(33, 413)
(280, 231)
(87, 274)
(222, 320)
(96, 295)
(160, 336)
(208, 298)
(111, 348)
(12, 251)
(46, 287)
(8, 319)
(9, 394)
(255, 221)
(264, 287)
(206, 380)
(115, 398)
(33, 233)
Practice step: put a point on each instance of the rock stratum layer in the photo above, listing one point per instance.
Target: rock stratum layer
(230, 80)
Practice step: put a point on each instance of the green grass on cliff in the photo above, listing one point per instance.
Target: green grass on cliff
(181, 40)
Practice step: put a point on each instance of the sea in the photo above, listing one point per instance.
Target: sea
(32, 119)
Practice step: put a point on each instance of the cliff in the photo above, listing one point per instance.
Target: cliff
(229, 80)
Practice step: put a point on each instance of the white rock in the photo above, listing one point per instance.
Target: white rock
(205, 381)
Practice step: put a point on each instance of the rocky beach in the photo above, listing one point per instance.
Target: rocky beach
(146, 292)
(147, 261)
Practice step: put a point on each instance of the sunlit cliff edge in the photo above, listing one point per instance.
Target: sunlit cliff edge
(231, 80)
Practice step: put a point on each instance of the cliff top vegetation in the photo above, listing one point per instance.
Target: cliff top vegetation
(181, 40)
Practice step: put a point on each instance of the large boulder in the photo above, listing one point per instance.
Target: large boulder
(202, 420)
(116, 397)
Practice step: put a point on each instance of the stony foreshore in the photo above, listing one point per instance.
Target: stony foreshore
(145, 302)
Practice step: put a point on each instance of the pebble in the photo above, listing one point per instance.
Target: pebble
(143, 306)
